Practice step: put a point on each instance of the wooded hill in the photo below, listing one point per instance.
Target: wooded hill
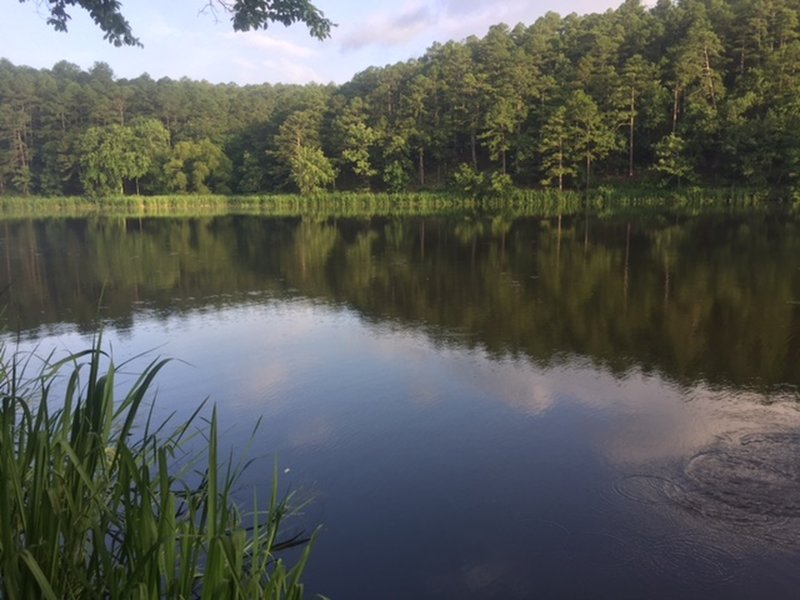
(704, 91)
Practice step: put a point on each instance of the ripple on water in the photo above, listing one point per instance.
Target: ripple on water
(781, 449)
(756, 472)
(748, 483)
(644, 489)
(693, 561)
(745, 482)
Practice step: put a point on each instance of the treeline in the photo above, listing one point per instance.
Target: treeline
(695, 91)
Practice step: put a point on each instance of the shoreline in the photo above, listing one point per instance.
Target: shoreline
(532, 203)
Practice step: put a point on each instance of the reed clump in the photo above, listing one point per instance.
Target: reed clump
(97, 501)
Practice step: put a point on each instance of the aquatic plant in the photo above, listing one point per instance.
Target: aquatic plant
(100, 501)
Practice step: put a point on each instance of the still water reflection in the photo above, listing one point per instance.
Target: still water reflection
(478, 407)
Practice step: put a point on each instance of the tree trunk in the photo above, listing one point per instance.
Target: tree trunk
(675, 107)
(588, 167)
(630, 141)
(586, 226)
(422, 167)
(709, 79)
(473, 148)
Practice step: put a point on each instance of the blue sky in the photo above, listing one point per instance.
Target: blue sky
(180, 39)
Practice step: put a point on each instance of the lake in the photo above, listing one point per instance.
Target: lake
(475, 406)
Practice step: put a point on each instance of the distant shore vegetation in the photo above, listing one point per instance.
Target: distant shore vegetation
(602, 201)
(686, 93)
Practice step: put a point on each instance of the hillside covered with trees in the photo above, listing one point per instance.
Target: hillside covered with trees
(703, 91)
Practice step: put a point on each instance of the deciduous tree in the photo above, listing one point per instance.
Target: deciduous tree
(245, 15)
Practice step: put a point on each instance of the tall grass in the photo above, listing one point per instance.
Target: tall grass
(534, 203)
(93, 503)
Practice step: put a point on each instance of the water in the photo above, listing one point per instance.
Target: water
(476, 407)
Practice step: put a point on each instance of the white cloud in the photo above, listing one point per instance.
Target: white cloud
(261, 41)
(178, 42)
(287, 71)
(442, 20)
(257, 57)
(390, 30)
(159, 28)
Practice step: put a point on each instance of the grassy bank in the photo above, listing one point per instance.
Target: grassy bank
(94, 504)
(538, 203)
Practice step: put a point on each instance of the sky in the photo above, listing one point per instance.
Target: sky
(181, 39)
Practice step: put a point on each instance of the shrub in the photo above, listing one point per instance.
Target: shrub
(466, 180)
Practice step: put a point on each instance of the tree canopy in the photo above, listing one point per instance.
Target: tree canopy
(245, 15)
(686, 92)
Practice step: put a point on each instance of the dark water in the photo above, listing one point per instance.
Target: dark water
(476, 407)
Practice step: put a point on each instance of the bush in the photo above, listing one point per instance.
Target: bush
(500, 184)
(467, 181)
(395, 177)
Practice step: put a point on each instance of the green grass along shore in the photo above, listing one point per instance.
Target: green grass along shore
(539, 203)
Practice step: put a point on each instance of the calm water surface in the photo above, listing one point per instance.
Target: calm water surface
(476, 407)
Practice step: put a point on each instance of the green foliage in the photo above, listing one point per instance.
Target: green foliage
(554, 146)
(246, 15)
(199, 167)
(312, 172)
(22, 179)
(107, 159)
(357, 139)
(395, 176)
(468, 181)
(109, 156)
(360, 138)
(359, 204)
(561, 102)
(672, 163)
(299, 132)
(591, 135)
(251, 174)
(106, 15)
(150, 148)
(16, 122)
(500, 184)
(398, 169)
(96, 505)
(258, 14)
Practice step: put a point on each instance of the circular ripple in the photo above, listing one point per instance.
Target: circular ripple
(756, 483)
(780, 449)
(644, 489)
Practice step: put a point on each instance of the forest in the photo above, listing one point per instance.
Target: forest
(694, 92)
